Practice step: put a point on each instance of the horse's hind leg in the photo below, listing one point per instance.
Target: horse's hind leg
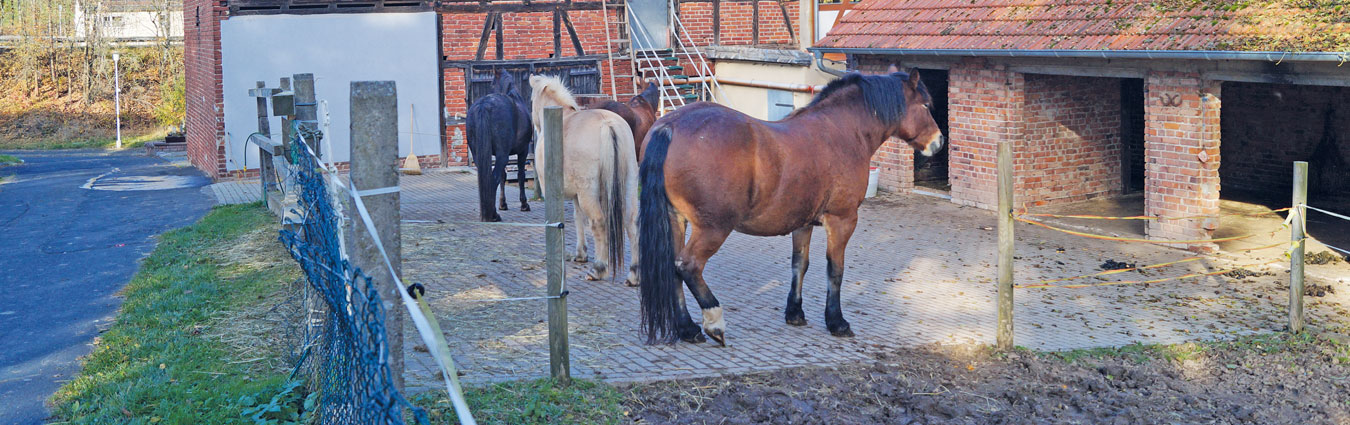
(520, 179)
(579, 218)
(839, 229)
(801, 252)
(703, 243)
(595, 214)
(499, 172)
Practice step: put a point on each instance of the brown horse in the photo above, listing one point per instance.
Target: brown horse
(639, 112)
(719, 170)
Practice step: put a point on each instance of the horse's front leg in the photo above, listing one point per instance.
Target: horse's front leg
(801, 252)
(839, 229)
(520, 178)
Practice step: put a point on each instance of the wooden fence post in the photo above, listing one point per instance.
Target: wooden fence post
(307, 108)
(1296, 253)
(374, 166)
(1005, 246)
(265, 173)
(559, 360)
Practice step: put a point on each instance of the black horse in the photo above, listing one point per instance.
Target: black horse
(498, 126)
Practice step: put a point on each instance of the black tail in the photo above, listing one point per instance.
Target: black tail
(659, 278)
(483, 135)
(614, 221)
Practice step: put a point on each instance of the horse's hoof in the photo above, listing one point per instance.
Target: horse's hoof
(503, 207)
(525, 207)
(796, 321)
(631, 282)
(494, 219)
(841, 330)
(716, 335)
(695, 337)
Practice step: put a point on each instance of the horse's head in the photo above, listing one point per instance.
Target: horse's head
(916, 126)
(504, 83)
(648, 96)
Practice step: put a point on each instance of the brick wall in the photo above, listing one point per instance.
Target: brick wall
(530, 36)
(987, 105)
(1266, 127)
(1071, 148)
(524, 36)
(1181, 113)
(205, 120)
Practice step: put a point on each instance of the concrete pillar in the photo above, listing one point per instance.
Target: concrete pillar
(986, 106)
(1181, 148)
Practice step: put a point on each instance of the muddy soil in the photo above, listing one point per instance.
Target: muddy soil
(1264, 380)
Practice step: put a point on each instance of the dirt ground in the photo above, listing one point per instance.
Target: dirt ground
(1274, 379)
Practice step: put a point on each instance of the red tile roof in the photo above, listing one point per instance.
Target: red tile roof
(1311, 25)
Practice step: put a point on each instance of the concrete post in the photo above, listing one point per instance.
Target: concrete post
(374, 165)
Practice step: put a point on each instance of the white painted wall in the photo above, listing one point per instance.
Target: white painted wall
(337, 49)
(754, 101)
(131, 25)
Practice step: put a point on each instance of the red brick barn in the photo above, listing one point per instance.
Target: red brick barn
(1108, 98)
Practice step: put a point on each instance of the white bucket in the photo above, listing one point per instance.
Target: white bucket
(872, 176)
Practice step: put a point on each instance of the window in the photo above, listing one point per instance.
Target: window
(780, 104)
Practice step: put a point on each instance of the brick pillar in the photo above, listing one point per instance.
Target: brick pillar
(986, 106)
(895, 160)
(1181, 149)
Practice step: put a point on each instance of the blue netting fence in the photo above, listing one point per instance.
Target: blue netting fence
(343, 347)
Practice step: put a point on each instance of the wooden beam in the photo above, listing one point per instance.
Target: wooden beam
(572, 31)
(487, 29)
(754, 23)
(557, 33)
(787, 21)
(476, 7)
(717, 21)
(501, 49)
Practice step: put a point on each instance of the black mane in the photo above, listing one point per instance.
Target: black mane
(884, 95)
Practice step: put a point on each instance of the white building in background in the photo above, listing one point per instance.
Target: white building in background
(130, 20)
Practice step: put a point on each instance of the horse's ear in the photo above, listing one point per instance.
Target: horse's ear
(892, 69)
(914, 77)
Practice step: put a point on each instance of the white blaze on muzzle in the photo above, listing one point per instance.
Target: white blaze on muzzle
(934, 145)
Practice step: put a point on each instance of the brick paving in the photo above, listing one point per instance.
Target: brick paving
(235, 191)
(920, 270)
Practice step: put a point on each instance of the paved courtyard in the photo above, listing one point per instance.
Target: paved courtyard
(920, 270)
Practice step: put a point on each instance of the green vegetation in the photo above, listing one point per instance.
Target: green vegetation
(532, 402)
(9, 160)
(168, 358)
(1140, 353)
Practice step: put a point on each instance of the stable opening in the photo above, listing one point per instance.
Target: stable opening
(1266, 128)
(930, 173)
(1132, 135)
(1084, 152)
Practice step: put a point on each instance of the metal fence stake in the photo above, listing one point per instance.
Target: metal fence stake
(374, 165)
(558, 358)
(1005, 246)
(1296, 252)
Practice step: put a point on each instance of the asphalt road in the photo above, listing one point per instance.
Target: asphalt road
(74, 226)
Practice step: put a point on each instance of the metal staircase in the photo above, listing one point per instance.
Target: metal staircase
(679, 84)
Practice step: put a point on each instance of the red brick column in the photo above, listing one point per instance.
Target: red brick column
(895, 159)
(204, 125)
(986, 105)
(1181, 151)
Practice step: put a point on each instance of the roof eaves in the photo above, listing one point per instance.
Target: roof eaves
(1338, 57)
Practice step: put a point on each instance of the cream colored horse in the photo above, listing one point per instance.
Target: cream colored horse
(599, 173)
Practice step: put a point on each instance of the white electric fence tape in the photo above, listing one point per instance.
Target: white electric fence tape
(439, 352)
